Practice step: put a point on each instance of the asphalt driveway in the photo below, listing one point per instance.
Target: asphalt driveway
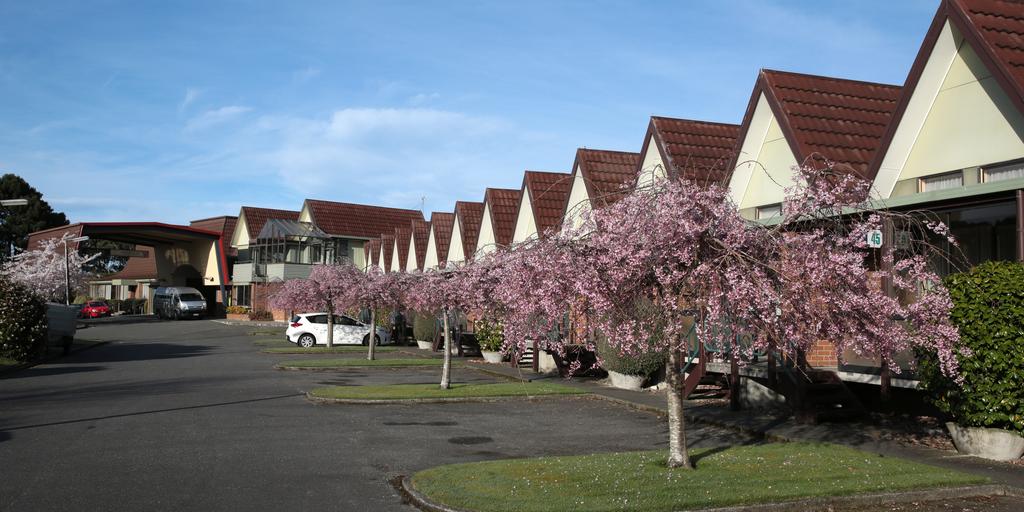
(190, 416)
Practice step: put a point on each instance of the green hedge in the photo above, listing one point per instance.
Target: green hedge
(22, 322)
(988, 308)
(424, 326)
(643, 365)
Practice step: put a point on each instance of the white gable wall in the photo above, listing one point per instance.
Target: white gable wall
(431, 261)
(579, 201)
(958, 117)
(395, 267)
(305, 215)
(765, 165)
(526, 225)
(455, 250)
(653, 168)
(410, 260)
(240, 238)
(486, 242)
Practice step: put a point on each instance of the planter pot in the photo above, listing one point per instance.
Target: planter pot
(425, 345)
(238, 316)
(987, 443)
(630, 382)
(491, 356)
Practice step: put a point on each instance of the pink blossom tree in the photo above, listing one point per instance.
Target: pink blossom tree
(651, 265)
(374, 289)
(328, 288)
(447, 290)
(43, 270)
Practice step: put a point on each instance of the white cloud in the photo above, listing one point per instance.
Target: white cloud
(215, 117)
(422, 98)
(306, 74)
(191, 94)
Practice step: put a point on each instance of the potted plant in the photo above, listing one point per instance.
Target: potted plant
(986, 405)
(237, 313)
(628, 371)
(490, 334)
(424, 330)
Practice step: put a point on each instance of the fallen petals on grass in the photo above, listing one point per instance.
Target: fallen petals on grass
(737, 475)
(358, 362)
(433, 391)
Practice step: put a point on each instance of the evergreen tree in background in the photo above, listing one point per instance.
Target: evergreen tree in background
(16, 222)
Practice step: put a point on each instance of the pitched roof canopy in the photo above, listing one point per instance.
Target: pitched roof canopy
(358, 220)
(372, 251)
(834, 118)
(442, 224)
(502, 204)
(255, 218)
(470, 215)
(387, 250)
(548, 193)
(402, 236)
(605, 173)
(697, 150)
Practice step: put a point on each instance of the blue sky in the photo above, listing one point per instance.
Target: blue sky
(153, 111)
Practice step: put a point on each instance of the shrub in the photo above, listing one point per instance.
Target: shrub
(237, 310)
(115, 305)
(81, 299)
(424, 326)
(643, 364)
(22, 322)
(489, 334)
(261, 315)
(988, 308)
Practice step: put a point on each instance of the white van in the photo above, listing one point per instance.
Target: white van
(177, 302)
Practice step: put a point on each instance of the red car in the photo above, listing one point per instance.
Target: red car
(95, 309)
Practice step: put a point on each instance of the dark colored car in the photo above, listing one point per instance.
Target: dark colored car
(95, 309)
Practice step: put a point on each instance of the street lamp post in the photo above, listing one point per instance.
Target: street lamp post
(67, 270)
(13, 202)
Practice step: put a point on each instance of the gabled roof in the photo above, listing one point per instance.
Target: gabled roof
(358, 220)
(402, 236)
(605, 174)
(387, 250)
(255, 218)
(696, 150)
(372, 251)
(503, 204)
(994, 29)
(224, 224)
(548, 193)
(834, 118)
(420, 235)
(442, 224)
(470, 215)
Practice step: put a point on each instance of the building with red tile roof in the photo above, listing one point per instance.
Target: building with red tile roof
(499, 219)
(439, 239)
(599, 177)
(699, 151)
(541, 204)
(796, 119)
(417, 252)
(400, 255)
(465, 231)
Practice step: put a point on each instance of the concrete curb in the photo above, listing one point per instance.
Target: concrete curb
(339, 368)
(422, 502)
(468, 399)
(250, 323)
(21, 366)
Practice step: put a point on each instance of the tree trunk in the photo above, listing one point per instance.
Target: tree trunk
(373, 332)
(446, 369)
(330, 326)
(678, 456)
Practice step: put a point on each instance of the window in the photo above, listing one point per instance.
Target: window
(767, 212)
(344, 320)
(1003, 172)
(985, 233)
(243, 296)
(941, 182)
(317, 319)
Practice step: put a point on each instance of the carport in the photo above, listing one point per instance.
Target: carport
(183, 255)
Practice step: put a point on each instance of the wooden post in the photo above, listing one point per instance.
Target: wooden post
(734, 381)
(888, 235)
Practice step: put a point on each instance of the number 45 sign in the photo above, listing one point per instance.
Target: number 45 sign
(874, 239)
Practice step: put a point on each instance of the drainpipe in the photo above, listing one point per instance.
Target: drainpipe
(1020, 225)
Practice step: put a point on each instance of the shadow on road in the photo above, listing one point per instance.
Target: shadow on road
(125, 351)
(40, 371)
(143, 413)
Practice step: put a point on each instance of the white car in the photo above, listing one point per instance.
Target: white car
(310, 329)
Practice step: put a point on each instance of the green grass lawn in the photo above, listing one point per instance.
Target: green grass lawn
(266, 332)
(344, 349)
(5, 361)
(273, 342)
(640, 481)
(414, 391)
(357, 362)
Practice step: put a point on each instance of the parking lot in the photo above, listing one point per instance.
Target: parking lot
(190, 415)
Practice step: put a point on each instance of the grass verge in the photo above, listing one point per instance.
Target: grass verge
(348, 349)
(273, 342)
(359, 362)
(432, 391)
(739, 475)
(265, 332)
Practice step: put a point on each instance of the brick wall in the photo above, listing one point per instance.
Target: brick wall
(822, 354)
